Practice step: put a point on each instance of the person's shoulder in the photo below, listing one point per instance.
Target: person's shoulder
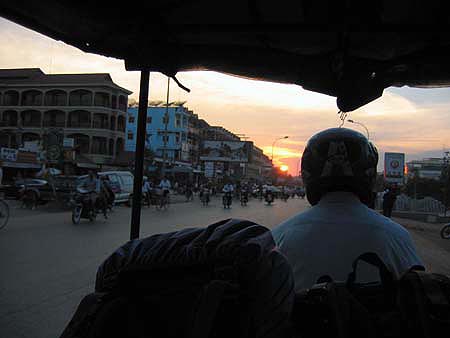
(386, 224)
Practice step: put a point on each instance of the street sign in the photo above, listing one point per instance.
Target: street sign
(394, 167)
(68, 142)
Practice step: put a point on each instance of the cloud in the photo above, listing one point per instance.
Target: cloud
(414, 121)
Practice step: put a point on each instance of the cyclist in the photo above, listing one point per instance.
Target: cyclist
(165, 186)
(339, 171)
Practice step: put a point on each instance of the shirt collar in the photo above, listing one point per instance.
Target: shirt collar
(341, 197)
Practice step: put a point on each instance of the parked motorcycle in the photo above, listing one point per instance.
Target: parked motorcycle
(82, 206)
(445, 231)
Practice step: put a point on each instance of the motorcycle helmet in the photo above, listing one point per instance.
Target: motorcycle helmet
(339, 159)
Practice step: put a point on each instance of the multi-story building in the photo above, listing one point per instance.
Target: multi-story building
(218, 133)
(259, 166)
(174, 136)
(426, 168)
(89, 108)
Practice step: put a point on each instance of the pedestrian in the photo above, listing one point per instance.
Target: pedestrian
(389, 199)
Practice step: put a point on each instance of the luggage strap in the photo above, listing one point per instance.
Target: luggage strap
(209, 304)
(433, 291)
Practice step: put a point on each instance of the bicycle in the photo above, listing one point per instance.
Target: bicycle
(4, 213)
(445, 231)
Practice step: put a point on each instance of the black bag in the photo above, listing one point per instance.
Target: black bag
(415, 306)
(226, 280)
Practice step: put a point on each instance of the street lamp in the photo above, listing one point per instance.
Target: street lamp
(281, 138)
(362, 125)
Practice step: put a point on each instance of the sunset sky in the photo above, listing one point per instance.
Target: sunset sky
(413, 121)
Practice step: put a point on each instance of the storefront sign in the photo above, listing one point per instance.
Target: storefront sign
(9, 154)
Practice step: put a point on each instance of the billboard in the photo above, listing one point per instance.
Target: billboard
(225, 151)
(394, 167)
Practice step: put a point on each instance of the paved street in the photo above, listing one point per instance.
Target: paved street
(48, 264)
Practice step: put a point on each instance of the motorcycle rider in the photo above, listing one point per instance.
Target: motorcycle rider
(244, 192)
(146, 191)
(339, 171)
(92, 185)
(228, 189)
(268, 193)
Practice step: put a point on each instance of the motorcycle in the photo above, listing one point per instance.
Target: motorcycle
(227, 200)
(82, 206)
(445, 231)
(205, 197)
(269, 198)
(244, 198)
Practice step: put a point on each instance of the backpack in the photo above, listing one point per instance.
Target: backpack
(416, 306)
(225, 280)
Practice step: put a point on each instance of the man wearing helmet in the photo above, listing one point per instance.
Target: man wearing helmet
(339, 172)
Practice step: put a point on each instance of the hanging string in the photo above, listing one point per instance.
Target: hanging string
(342, 117)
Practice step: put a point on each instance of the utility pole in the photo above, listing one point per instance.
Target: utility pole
(166, 121)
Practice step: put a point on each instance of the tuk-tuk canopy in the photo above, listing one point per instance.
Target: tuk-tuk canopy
(345, 48)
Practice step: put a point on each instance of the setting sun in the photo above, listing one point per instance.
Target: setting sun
(284, 168)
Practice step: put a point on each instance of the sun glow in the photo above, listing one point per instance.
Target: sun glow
(284, 168)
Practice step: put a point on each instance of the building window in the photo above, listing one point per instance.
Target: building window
(10, 118)
(122, 103)
(81, 143)
(100, 121)
(131, 119)
(99, 145)
(54, 118)
(121, 123)
(32, 98)
(112, 123)
(177, 138)
(101, 100)
(80, 97)
(149, 119)
(79, 119)
(31, 118)
(177, 121)
(30, 137)
(111, 147)
(165, 119)
(119, 145)
(165, 138)
(130, 136)
(11, 98)
(55, 98)
(114, 102)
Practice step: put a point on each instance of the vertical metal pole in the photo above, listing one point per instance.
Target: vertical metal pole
(166, 121)
(139, 153)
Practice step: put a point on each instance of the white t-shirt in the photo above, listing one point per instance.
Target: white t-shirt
(228, 188)
(326, 239)
(164, 184)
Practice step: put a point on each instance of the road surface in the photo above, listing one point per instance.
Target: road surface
(48, 264)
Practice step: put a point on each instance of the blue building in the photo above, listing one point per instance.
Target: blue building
(171, 136)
